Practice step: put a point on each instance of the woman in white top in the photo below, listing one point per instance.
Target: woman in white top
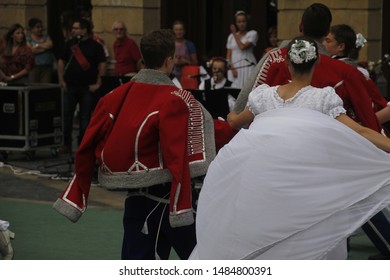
(301, 59)
(297, 183)
(239, 47)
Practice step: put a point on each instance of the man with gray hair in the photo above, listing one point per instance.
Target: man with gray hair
(126, 51)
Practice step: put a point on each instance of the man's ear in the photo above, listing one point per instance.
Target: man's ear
(341, 47)
(168, 62)
(165, 62)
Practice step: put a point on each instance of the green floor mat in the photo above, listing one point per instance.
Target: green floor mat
(43, 234)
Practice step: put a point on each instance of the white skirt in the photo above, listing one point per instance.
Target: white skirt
(294, 185)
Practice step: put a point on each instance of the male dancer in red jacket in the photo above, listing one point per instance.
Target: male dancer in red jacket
(151, 138)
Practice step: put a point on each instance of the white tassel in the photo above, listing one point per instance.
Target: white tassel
(145, 229)
(157, 256)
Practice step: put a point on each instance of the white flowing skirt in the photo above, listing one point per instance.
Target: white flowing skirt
(294, 185)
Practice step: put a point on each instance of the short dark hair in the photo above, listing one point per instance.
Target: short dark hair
(34, 21)
(84, 24)
(156, 46)
(305, 66)
(344, 34)
(316, 20)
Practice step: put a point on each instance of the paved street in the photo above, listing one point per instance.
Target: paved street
(44, 177)
(28, 189)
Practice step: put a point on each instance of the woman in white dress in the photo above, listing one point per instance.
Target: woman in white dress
(301, 59)
(297, 183)
(239, 47)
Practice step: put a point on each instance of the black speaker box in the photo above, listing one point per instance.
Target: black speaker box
(31, 116)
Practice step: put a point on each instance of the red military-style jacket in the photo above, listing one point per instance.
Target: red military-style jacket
(145, 133)
(348, 82)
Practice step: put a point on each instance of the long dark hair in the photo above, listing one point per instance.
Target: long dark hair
(9, 40)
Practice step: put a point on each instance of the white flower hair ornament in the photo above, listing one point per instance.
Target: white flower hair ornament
(360, 41)
(302, 51)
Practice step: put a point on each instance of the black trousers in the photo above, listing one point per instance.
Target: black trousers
(161, 237)
(378, 230)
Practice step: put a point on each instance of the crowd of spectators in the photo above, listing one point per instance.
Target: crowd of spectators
(29, 56)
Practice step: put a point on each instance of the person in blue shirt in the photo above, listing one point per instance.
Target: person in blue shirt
(41, 45)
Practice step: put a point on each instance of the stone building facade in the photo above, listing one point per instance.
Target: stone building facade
(365, 16)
